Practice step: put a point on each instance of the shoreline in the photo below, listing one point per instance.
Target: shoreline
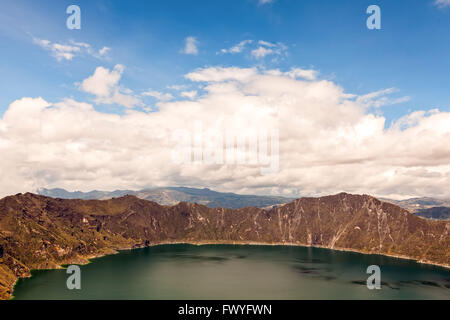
(237, 243)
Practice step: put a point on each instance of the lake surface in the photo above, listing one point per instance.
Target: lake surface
(239, 272)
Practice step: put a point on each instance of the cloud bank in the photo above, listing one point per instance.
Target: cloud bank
(329, 140)
(104, 85)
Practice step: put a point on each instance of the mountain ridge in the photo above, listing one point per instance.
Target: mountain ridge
(422, 206)
(173, 195)
(38, 232)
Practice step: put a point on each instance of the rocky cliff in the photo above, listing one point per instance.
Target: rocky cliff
(39, 232)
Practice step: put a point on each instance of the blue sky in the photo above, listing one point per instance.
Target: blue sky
(410, 53)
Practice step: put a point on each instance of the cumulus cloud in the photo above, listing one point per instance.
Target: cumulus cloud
(238, 48)
(296, 73)
(267, 48)
(67, 51)
(329, 141)
(381, 98)
(189, 94)
(190, 46)
(261, 52)
(158, 95)
(104, 85)
(258, 49)
(220, 74)
(104, 51)
(59, 51)
(308, 74)
(266, 43)
(177, 87)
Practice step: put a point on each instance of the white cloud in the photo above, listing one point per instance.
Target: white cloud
(307, 74)
(220, 74)
(442, 3)
(329, 140)
(80, 44)
(258, 50)
(266, 43)
(381, 98)
(189, 94)
(267, 48)
(59, 51)
(295, 73)
(103, 81)
(177, 87)
(237, 48)
(262, 2)
(63, 51)
(190, 46)
(103, 51)
(261, 52)
(104, 84)
(158, 95)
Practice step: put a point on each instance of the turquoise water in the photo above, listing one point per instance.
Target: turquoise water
(239, 272)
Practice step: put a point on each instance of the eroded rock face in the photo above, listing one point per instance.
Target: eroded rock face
(41, 232)
(1, 251)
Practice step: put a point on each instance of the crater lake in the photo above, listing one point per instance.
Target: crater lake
(183, 271)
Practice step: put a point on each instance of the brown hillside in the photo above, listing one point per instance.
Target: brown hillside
(40, 232)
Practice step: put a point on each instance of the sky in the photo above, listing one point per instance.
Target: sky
(120, 102)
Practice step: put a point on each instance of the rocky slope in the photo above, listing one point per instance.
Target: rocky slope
(39, 232)
(429, 208)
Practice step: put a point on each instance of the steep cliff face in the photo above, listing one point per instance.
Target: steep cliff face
(39, 232)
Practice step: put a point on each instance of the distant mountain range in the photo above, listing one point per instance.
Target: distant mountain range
(425, 207)
(429, 208)
(38, 232)
(439, 213)
(417, 204)
(172, 195)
